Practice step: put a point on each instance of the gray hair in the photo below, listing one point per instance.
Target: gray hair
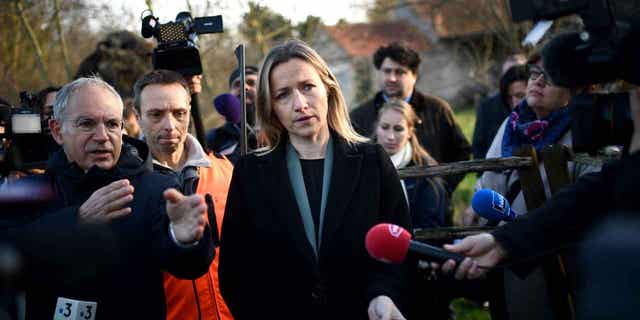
(64, 95)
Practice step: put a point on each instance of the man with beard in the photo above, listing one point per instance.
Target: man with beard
(226, 139)
(436, 129)
(163, 99)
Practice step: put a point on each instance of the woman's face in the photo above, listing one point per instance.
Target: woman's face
(543, 97)
(299, 98)
(392, 131)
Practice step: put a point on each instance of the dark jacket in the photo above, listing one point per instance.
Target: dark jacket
(574, 210)
(439, 133)
(118, 265)
(267, 266)
(489, 116)
(428, 202)
(226, 136)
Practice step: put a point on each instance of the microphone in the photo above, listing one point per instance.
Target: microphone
(492, 206)
(390, 243)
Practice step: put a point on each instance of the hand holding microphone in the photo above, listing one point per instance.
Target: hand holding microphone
(484, 250)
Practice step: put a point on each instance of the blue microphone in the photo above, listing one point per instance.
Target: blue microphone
(492, 206)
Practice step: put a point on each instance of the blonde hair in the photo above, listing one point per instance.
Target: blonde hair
(271, 130)
(420, 156)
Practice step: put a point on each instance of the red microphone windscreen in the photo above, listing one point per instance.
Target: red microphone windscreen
(387, 242)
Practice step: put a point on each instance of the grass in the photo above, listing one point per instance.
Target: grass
(462, 196)
(464, 309)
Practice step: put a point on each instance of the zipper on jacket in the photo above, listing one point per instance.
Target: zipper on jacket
(195, 292)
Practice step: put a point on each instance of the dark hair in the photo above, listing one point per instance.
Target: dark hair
(158, 77)
(129, 108)
(41, 96)
(4, 102)
(513, 74)
(236, 73)
(534, 57)
(398, 53)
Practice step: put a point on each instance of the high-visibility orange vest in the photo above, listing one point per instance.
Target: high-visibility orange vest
(184, 297)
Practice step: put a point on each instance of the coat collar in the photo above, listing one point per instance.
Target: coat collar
(344, 180)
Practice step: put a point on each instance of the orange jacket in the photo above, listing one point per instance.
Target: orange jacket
(201, 298)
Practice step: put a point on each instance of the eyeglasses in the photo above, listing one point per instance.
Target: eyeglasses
(535, 72)
(88, 125)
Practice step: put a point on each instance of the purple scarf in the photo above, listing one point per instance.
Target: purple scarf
(524, 128)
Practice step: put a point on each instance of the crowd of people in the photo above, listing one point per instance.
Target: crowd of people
(138, 219)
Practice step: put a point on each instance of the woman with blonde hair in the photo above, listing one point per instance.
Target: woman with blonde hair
(308, 198)
(395, 131)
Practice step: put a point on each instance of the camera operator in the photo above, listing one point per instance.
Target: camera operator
(112, 226)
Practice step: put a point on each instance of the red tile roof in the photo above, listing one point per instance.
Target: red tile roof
(363, 39)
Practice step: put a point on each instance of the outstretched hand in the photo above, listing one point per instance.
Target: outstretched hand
(187, 215)
(482, 251)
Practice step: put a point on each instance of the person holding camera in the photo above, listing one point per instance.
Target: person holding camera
(99, 244)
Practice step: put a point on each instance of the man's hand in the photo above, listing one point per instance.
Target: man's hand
(483, 252)
(107, 203)
(187, 215)
(383, 308)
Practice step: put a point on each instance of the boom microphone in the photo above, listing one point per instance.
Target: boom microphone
(390, 243)
(492, 206)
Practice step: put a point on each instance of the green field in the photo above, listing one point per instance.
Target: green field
(463, 194)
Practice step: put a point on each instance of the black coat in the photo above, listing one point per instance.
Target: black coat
(119, 265)
(267, 266)
(439, 133)
(489, 116)
(574, 210)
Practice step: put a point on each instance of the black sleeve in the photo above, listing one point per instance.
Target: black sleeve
(235, 269)
(480, 143)
(188, 262)
(456, 147)
(387, 279)
(562, 219)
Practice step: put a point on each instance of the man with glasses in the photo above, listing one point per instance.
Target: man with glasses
(123, 224)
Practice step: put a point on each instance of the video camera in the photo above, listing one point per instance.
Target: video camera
(25, 139)
(177, 48)
(603, 52)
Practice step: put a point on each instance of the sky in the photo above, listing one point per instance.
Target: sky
(297, 10)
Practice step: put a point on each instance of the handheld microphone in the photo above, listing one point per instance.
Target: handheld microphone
(390, 243)
(492, 206)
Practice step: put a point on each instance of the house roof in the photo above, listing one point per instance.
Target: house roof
(455, 18)
(363, 39)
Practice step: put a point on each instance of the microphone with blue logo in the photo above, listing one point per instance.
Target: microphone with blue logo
(492, 206)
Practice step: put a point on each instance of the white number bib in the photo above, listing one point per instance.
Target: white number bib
(69, 309)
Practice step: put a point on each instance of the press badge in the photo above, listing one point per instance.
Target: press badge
(69, 309)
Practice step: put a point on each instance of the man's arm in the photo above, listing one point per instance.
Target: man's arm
(560, 221)
(480, 145)
(456, 147)
(189, 252)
